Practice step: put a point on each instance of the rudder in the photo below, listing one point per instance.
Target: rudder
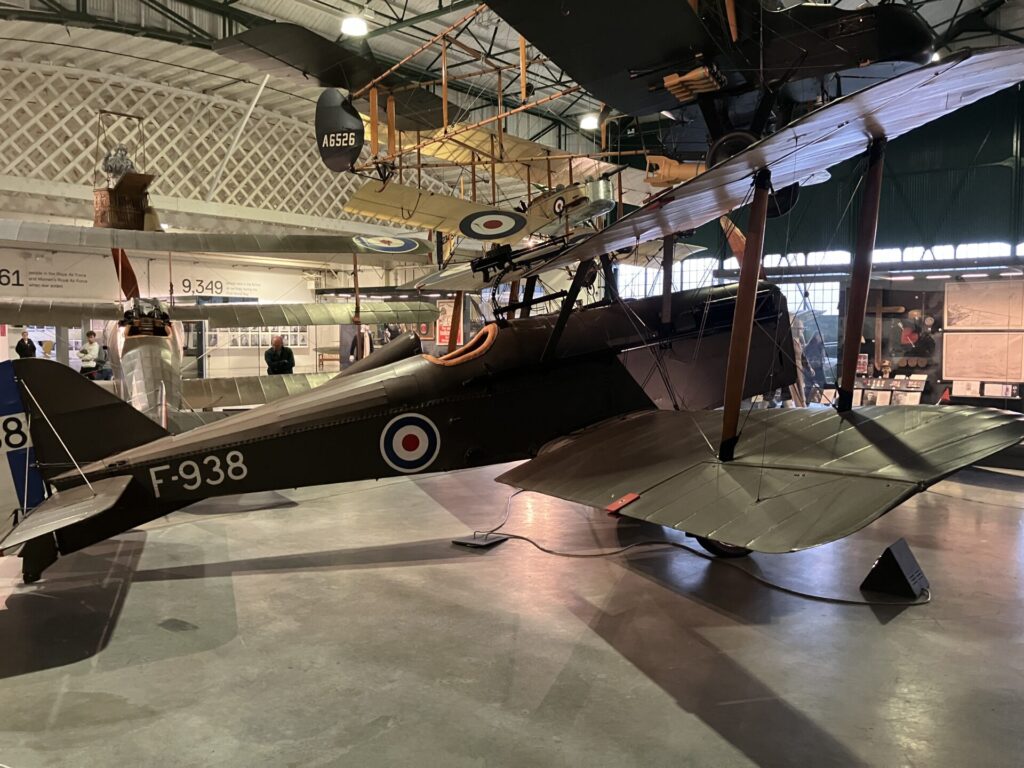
(21, 484)
(91, 422)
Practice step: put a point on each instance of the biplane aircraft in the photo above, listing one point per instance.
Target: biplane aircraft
(594, 378)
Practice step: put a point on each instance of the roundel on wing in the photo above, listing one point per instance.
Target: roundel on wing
(410, 443)
(492, 225)
(558, 206)
(386, 244)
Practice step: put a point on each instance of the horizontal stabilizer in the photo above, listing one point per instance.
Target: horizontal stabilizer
(67, 508)
(801, 477)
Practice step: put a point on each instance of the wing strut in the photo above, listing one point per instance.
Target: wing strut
(743, 319)
(857, 296)
(528, 291)
(668, 245)
(582, 273)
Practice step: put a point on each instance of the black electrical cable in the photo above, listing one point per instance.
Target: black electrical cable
(678, 545)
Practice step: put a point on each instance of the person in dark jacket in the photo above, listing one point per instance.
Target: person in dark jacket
(279, 357)
(26, 347)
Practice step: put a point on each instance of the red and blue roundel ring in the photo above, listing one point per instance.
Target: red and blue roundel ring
(410, 443)
(386, 244)
(492, 225)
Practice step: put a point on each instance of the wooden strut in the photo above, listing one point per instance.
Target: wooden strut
(374, 124)
(743, 317)
(522, 68)
(494, 176)
(444, 84)
(356, 319)
(392, 131)
(418, 51)
(442, 137)
(453, 331)
(611, 287)
(860, 281)
(668, 245)
(568, 304)
(528, 290)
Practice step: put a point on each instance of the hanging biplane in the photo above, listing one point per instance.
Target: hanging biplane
(737, 68)
(591, 379)
(145, 343)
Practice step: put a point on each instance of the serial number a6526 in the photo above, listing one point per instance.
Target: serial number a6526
(191, 474)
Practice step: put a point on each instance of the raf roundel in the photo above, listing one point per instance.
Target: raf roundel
(410, 443)
(559, 206)
(492, 225)
(386, 244)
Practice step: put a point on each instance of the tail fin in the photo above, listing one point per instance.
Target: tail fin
(90, 422)
(21, 484)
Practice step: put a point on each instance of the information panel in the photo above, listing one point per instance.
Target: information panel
(996, 356)
(985, 305)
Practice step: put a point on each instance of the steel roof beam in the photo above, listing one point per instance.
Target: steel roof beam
(413, 20)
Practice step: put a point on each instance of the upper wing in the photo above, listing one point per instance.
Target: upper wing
(815, 142)
(262, 315)
(531, 162)
(802, 477)
(60, 313)
(415, 207)
(58, 237)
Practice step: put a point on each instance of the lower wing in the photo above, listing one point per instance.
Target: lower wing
(801, 477)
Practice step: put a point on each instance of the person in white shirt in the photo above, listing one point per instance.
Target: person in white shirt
(89, 355)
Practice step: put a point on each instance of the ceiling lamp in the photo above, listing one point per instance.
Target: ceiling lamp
(354, 26)
(589, 122)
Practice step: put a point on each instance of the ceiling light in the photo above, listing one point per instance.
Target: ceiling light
(901, 277)
(975, 276)
(1009, 274)
(935, 56)
(936, 277)
(589, 122)
(354, 26)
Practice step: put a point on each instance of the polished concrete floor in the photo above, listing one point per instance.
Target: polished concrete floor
(339, 626)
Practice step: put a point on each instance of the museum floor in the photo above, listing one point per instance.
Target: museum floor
(347, 630)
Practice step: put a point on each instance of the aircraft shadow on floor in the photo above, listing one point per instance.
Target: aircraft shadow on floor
(431, 551)
(72, 615)
(662, 637)
(731, 587)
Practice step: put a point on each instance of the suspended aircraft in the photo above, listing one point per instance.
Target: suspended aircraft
(747, 66)
(145, 343)
(778, 481)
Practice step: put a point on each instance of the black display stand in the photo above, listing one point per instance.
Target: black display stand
(896, 572)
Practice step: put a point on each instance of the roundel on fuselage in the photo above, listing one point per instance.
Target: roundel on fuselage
(410, 443)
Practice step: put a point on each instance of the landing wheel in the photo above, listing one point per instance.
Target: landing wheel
(720, 549)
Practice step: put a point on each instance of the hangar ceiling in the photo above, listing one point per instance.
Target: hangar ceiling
(67, 59)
